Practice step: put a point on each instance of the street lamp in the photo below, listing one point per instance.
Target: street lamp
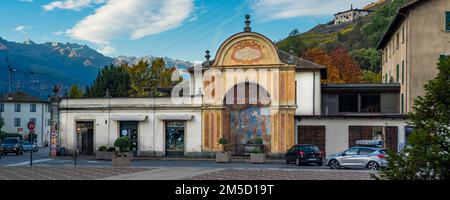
(107, 95)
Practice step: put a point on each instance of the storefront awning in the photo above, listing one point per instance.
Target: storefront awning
(175, 117)
(128, 117)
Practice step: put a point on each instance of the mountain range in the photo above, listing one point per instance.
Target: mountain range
(40, 66)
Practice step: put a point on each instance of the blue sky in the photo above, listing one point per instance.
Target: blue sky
(181, 29)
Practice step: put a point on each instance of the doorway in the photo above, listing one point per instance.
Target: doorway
(85, 137)
(130, 129)
(175, 138)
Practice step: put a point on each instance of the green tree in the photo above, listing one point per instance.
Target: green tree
(295, 42)
(380, 21)
(140, 78)
(112, 78)
(76, 92)
(368, 59)
(371, 77)
(428, 155)
(294, 32)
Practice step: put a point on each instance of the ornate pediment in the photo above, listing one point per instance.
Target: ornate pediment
(247, 49)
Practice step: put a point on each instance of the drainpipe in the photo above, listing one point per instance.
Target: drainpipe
(406, 61)
(314, 93)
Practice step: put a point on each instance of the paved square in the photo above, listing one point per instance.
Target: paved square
(285, 174)
(62, 173)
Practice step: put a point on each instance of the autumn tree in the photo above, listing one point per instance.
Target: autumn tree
(146, 78)
(140, 78)
(321, 57)
(76, 92)
(349, 71)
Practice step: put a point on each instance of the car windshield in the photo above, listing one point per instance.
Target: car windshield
(11, 141)
(26, 143)
(382, 151)
(309, 148)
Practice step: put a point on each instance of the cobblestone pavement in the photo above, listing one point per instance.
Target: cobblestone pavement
(62, 173)
(285, 174)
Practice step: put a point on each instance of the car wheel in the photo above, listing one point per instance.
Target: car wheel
(373, 165)
(297, 162)
(334, 164)
(287, 160)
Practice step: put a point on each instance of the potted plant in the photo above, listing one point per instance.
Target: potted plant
(223, 157)
(257, 154)
(102, 153)
(123, 156)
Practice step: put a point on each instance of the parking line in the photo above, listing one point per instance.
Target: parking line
(28, 162)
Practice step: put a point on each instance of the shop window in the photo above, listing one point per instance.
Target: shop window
(348, 103)
(370, 103)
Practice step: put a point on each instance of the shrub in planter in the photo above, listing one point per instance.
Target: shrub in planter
(223, 157)
(103, 154)
(102, 148)
(257, 156)
(258, 140)
(123, 143)
(111, 149)
(122, 158)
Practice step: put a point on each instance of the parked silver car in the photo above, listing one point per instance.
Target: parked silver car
(359, 157)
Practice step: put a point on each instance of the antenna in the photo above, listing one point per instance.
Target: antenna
(11, 72)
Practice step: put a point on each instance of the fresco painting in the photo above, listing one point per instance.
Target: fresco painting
(250, 123)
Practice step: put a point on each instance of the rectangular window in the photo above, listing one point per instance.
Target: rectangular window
(447, 21)
(370, 103)
(348, 103)
(403, 71)
(386, 78)
(398, 40)
(403, 104)
(398, 73)
(17, 107)
(33, 107)
(2, 107)
(2, 121)
(16, 122)
(403, 34)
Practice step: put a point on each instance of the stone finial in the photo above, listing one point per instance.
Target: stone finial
(207, 56)
(247, 24)
(291, 55)
(107, 95)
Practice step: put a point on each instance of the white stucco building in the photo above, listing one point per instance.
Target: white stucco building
(19, 108)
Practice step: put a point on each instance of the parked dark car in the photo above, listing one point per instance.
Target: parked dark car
(304, 154)
(12, 145)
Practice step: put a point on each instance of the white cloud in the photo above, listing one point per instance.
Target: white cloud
(76, 5)
(135, 18)
(282, 9)
(27, 1)
(22, 29)
(107, 50)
